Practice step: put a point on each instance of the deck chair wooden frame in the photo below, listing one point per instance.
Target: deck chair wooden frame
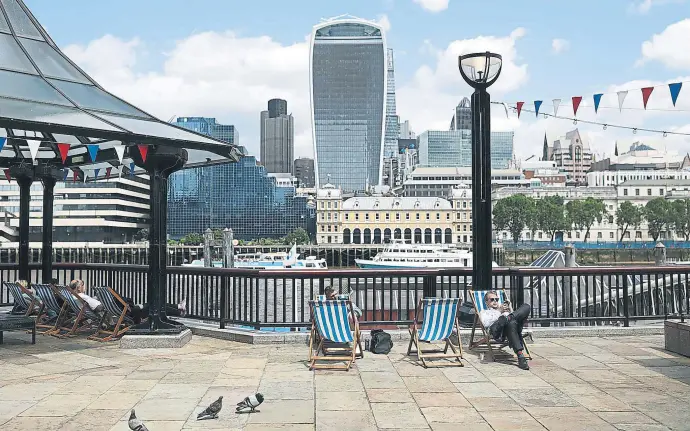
(48, 295)
(440, 317)
(330, 322)
(115, 306)
(486, 339)
(17, 290)
(81, 311)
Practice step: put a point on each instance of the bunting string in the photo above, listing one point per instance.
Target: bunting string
(521, 108)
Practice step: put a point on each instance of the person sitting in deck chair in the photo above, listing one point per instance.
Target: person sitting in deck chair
(332, 296)
(77, 286)
(503, 324)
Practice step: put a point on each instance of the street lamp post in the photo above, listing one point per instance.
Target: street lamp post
(480, 71)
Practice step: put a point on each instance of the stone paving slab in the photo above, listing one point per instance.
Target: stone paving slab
(576, 383)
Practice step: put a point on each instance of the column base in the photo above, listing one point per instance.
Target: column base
(158, 341)
(157, 325)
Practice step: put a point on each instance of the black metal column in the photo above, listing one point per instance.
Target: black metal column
(24, 174)
(160, 163)
(49, 175)
(481, 191)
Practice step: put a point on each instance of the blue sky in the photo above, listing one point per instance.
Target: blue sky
(155, 47)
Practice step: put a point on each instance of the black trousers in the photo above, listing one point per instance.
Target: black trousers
(511, 329)
(139, 313)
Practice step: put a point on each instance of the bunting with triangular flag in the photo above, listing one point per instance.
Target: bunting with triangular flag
(108, 170)
(8, 176)
(95, 172)
(621, 99)
(519, 108)
(65, 173)
(674, 88)
(63, 149)
(646, 92)
(2, 142)
(93, 151)
(576, 104)
(597, 100)
(33, 147)
(131, 169)
(75, 175)
(144, 151)
(537, 105)
(86, 173)
(556, 104)
(120, 150)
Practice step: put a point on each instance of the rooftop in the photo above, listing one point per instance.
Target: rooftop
(459, 171)
(396, 203)
(601, 383)
(656, 182)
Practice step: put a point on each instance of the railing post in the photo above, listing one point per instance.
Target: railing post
(429, 286)
(626, 311)
(518, 285)
(223, 300)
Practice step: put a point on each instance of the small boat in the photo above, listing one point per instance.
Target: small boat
(272, 261)
(401, 255)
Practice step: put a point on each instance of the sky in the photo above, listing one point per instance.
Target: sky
(227, 58)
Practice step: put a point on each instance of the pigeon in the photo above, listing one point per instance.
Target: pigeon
(250, 403)
(136, 424)
(212, 411)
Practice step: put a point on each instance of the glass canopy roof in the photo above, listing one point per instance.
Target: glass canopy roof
(45, 97)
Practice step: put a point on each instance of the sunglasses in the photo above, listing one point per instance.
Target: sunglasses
(492, 299)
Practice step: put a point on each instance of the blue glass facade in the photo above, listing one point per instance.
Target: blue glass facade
(348, 86)
(209, 126)
(453, 148)
(236, 195)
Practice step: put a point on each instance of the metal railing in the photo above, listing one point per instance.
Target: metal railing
(280, 298)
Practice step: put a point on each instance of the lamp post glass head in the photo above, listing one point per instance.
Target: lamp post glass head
(480, 70)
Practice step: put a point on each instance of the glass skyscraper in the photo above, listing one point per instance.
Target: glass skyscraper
(347, 66)
(208, 126)
(453, 148)
(390, 143)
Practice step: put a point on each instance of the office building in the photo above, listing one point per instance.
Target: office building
(390, 144)
(277, 138)
(439, 182)
(304, 172)
(209, 126)
(348, 75)
(453, 148)
(462, 120)
(406, 131)
(241, 196)
(572, 154)
(643, 157)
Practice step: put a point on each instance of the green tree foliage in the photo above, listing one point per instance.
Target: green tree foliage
(628, 216)
(680, 217)
(658, 214)
(532, 221)
(192, 239)
(297, 236)
(582, 213)
(512, 214)
(550, 215)
(141, 235)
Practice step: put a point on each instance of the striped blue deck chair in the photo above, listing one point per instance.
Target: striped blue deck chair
(82, 313)
(486, 339)
(50, 299)
(114, 306)
(330, 323)
(17, 292)
(440, 318)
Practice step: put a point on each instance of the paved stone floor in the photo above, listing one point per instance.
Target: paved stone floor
(575, 384)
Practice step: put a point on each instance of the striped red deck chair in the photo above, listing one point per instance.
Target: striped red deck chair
(115, 306)
(440, 317)
(486, 339)
(330, 322)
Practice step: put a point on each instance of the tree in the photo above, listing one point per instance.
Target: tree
(532, 219)
(582, 213)
(192, 239)
(658, 215)
(550, 215)
(297, 236)
(512, 214)
(680, 217)
(141, 235)
(628, 216)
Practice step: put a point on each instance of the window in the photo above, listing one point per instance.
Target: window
(347, 216)
(611, 235)
(397, 216)
(649, 192)
(599, 235)
(328, 205)
(377, 216)
(577, 234)
(356, 216)
(438, 216)
(661, 192)
(637, 192)
(388, 216)
(448, 216)
(366, 216)
(625, 192)
(428, 216)
(417, 216)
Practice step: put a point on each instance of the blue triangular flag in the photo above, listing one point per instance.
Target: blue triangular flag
(131, 169)
(597, 99)
(66, 173)
(675, 91)
(95, 172)
(2, 143)
(537, 105)
(93, 151)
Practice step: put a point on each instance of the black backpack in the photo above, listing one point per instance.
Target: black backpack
(466, 314)
(381, 342)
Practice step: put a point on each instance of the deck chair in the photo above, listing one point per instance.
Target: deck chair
(49, 298)
(81, 312)
(486, 339)
(330, 322)
(17, 292)
(115, 306)
(440, 317)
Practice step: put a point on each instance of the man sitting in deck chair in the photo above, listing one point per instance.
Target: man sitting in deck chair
(503, 324)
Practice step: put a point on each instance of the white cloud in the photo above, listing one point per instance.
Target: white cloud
(384, 22)
(643, 7)
(559, 45)
(666, 47)
(433, 5)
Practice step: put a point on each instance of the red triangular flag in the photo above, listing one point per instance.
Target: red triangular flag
(519, 108)
(144, 151)
(646, 92)
(7, 175)
(63, 149)
(107, 172)
(576, 103)
(75, 175)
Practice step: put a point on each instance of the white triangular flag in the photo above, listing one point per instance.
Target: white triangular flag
(556, 104)
(119, 171)
(33, 147)
(621, 99)
(86, 174)
(120, 150)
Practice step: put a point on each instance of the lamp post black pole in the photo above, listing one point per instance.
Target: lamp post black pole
(482, 258)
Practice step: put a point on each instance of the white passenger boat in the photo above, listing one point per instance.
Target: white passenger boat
(400, 255)
(277, 261)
